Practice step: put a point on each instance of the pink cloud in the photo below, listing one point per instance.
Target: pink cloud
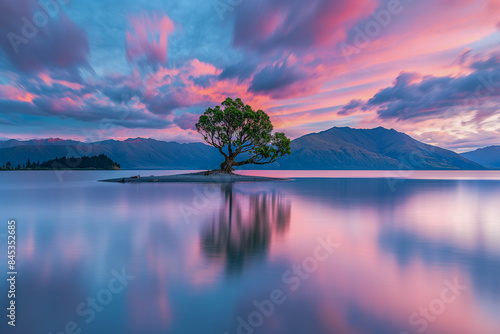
(147, 39)
(49, 81)
(199, 68)
(64, 106)
(13, 93)
(295, 25)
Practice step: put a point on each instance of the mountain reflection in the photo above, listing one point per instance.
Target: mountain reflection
(243, 228)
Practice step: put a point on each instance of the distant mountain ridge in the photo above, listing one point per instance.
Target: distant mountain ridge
(487, 156)
(363, 149)
(33, 142)
(336, 148)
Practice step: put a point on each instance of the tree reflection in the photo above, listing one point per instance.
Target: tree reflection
(244, 226)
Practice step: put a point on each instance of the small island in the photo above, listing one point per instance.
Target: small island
(97, 162)
(202, 177)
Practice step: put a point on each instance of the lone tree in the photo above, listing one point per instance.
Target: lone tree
(235, 128)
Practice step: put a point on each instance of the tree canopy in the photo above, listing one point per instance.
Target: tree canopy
(235, 128)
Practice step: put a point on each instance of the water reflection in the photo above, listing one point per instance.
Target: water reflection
(244, 226)
(482, 266)
(397, 248)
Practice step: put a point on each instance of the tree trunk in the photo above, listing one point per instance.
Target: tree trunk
(227, 166)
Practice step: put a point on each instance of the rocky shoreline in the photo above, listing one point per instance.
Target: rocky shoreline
(203, 177)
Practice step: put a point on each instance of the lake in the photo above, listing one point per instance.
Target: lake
(328, 252)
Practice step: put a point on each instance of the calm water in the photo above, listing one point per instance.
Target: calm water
(350, 252)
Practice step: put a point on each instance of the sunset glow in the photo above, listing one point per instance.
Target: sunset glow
(428, 68)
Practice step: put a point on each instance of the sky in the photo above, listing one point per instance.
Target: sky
(115, 69)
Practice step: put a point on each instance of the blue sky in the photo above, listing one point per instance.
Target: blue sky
(93, 70)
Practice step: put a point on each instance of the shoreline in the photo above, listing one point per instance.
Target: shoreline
(200, 177)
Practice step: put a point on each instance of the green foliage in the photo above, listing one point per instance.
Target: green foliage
(236, 128)
(94, 162)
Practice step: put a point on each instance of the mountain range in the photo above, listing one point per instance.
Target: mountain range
(359, 149)
(138, 153)
(488, 156)
(336, 148)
